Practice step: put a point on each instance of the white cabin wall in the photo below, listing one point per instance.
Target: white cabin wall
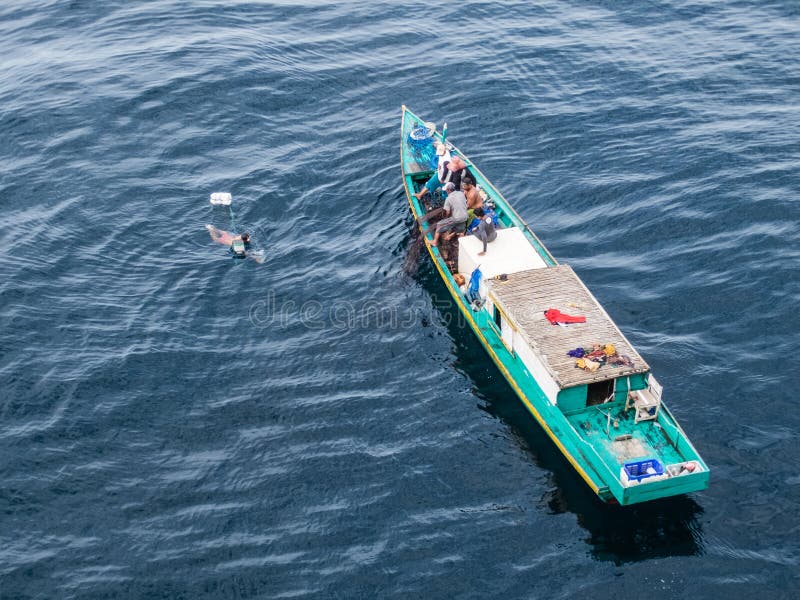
(515, 342)
(507, 332)
(536, 368)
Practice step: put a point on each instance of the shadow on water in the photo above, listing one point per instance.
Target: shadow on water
(661, 528)
(414, 250)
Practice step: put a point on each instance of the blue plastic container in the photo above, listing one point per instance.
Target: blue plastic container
(636, 471)
(420, 137)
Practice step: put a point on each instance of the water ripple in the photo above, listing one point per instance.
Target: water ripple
(177, 423)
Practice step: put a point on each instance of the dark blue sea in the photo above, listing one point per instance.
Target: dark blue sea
(178, 424)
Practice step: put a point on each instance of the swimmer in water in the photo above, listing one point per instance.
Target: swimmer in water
(238, 244)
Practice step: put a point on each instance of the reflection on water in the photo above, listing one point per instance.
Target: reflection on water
(415, 248)
(666, 527)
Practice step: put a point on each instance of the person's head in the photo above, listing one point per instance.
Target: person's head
(479, 212)
(245, 237)
(449, 187)
(457, 162)
(466, 184)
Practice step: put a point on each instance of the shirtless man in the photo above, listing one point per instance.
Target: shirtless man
(474, 199)
(238, 244)
(226, 237)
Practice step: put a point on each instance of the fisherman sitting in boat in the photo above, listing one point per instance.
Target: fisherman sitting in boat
(239, 244)
(486, 231)
(453, 170)
(455, 208)
(443, 157)
(474, 199)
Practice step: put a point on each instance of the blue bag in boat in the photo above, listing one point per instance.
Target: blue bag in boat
(420, 137)
(474, 289)
(487, 212)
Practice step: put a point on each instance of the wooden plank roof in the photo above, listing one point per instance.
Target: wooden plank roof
(524, 298)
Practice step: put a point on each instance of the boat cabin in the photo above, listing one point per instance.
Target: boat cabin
(518, 305)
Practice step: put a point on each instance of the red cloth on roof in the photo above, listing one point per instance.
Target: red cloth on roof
(556, 316)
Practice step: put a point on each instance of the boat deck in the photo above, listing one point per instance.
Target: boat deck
(628, 441)
(524, 297)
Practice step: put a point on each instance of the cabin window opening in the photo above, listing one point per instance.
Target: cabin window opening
(599, 392)
(498, 318)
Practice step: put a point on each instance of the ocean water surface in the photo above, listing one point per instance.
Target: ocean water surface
(178, 424)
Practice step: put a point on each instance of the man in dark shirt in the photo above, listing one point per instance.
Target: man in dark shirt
(456, 170)
(452, 171)
(486, 231)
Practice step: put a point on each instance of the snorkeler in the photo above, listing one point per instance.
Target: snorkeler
(238, 244)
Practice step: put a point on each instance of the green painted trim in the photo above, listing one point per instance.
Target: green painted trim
(572, 399)
(638, 381)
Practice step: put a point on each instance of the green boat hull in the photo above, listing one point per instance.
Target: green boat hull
(581, 434)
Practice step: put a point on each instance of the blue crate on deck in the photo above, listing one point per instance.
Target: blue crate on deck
(636, 471)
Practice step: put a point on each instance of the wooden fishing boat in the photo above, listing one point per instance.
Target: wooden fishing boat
(603, 411)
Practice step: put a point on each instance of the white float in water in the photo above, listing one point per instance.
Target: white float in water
(222, 198)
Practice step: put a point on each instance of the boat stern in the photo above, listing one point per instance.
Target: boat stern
(633, 492)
